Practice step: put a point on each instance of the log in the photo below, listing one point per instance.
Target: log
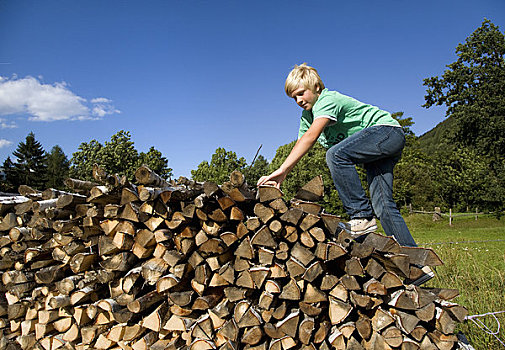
(9, 221)
(306, 207)
(68, 200)
(267, 193)
(146, 176)
(144, 302)
(338, 310)
(82, 262)
(7, 203)
(421, 256)
(312, 191)
(289, 324)
(79, 185)
(155, 320)
(153, 269)
(393, 336)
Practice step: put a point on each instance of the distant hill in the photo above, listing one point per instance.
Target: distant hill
(431, 140)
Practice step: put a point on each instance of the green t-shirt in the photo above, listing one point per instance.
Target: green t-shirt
(347, 116)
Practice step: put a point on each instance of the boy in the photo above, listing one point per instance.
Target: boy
(354, 133)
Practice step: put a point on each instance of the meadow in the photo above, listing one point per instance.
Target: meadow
(473, 252)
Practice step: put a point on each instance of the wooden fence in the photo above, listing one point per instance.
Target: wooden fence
(437, 214)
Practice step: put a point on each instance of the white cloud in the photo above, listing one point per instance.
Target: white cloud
(102, 107)
(46, 102)
(5, 143)
(5, 124)
(100, 100)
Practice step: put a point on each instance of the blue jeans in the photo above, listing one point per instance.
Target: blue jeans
(379, 148)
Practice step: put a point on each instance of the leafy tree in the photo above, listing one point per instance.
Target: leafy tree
(473, 89)
(220, 167)
(461, 179)
(406, 123)
(117, 156)
(155, 160)
(413, 182)
(57, 168)
(82, 161)
(30, 167)
(10, 183)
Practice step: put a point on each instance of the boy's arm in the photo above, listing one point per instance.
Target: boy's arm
(301, 147)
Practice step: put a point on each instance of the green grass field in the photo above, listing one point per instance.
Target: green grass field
(475, 268)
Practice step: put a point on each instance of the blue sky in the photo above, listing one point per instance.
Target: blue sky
(189, 76)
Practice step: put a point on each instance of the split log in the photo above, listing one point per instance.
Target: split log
(312, 191)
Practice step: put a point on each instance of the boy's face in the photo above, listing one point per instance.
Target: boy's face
(305, 98)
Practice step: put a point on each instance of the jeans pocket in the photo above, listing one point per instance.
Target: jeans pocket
(392, 142)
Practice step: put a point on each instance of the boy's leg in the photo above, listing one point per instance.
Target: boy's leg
(380, 180)
(381, 146)
(368, 145)
(341, 160)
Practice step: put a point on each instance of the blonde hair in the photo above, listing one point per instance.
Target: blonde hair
(303, 75)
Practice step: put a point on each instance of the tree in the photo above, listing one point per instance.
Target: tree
(462, 179)
(82, 161)
(57, 168)
(413, 183)
(117, 156)
(220, 167)
(156, 162)
(473, 89)
(10, 183)
(412, 174)
(30, 166)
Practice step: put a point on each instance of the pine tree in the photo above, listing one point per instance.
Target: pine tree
(57, 168)
(31, 168)
(10, 183)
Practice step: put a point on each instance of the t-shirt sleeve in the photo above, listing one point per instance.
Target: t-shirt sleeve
(333, 120)
(305, 122)
(327, 107)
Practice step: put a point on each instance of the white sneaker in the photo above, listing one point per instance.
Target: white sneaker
(357, 227)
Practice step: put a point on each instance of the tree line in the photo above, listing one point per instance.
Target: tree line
(35, 167)
(459, 164)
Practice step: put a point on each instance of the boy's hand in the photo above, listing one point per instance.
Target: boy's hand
(274, 179)
(301, 147)
(267, 183)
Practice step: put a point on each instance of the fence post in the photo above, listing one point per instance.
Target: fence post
(410, 208)
(476, 212)
(450, 217)
(437, 215)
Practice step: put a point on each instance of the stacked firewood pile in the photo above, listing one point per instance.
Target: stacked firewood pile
(185, 265)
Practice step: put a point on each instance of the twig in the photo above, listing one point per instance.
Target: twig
(257, 152)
